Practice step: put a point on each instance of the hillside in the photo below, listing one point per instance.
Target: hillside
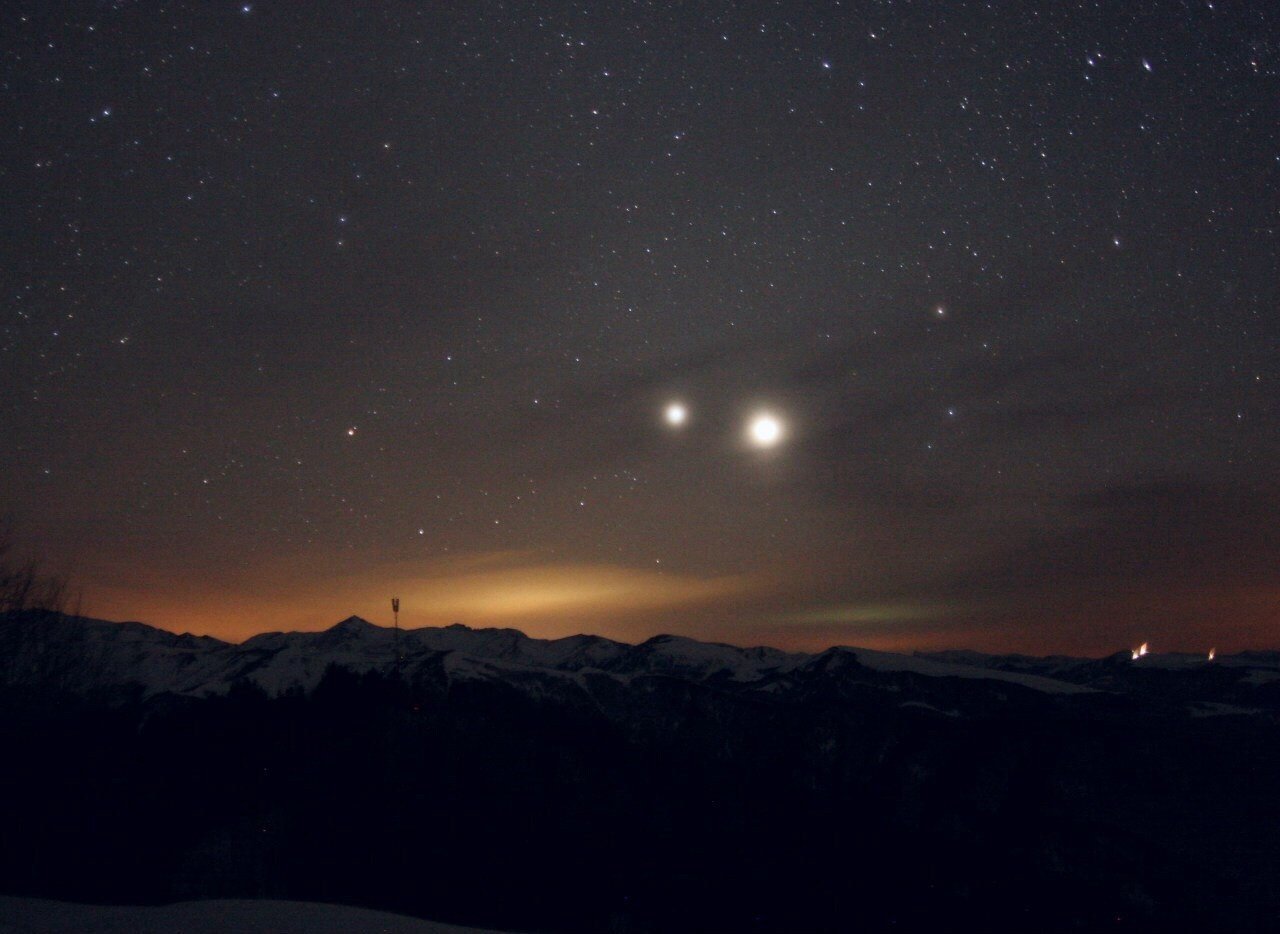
(481, 777)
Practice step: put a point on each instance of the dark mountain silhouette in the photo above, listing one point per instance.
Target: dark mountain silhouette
(582, 784)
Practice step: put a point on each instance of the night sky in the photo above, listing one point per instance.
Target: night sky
(310, 304)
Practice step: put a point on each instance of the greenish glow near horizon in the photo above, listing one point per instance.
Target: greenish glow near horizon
(870, 613)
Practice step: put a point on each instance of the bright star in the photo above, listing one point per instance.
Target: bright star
(676, 414)
(765, 430)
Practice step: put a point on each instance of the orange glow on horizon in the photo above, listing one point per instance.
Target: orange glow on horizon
(549, 599)
(480, 591)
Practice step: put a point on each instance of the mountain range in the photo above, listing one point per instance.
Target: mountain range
(484, 778)
(82, 655)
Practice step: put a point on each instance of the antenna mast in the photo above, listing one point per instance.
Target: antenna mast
(395, 614)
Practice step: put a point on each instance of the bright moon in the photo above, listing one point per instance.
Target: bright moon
(766, 431)
(676, 414)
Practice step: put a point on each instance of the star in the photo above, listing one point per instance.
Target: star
(764, 430)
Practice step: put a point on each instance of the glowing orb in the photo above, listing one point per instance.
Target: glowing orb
(765, 431)
(676, 414)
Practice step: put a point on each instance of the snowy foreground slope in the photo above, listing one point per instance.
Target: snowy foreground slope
(40, 916)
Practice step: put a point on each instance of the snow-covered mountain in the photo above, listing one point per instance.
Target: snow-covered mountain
(80, 654)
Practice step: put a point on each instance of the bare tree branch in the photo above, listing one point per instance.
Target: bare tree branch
(23, 585)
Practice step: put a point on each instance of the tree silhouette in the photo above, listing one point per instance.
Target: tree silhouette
(24, 585)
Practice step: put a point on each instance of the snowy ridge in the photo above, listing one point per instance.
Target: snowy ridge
(80, 654)
(933, 668)
(245, 916)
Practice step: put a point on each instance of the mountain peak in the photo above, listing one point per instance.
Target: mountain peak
(668, 639)
(353, 624)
